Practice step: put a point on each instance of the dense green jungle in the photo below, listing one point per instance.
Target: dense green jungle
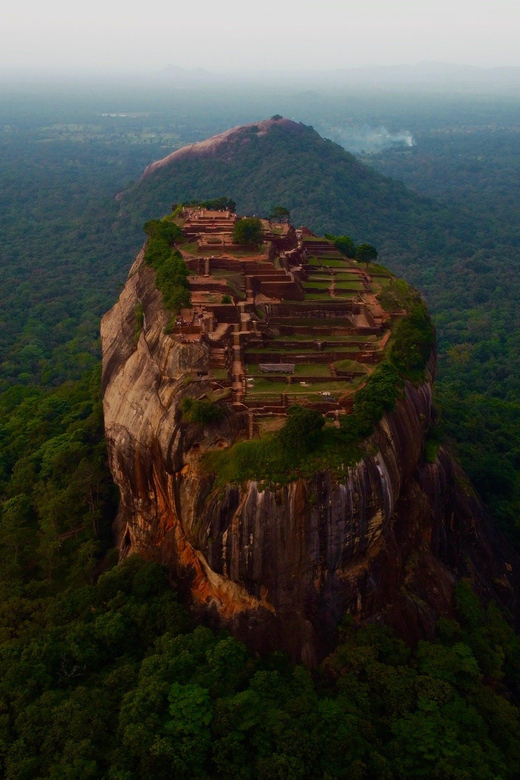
(103, 673)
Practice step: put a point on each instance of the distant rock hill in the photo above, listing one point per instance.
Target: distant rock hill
(225, 144)
(282, 162)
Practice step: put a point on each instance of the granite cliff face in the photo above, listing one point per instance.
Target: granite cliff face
(281, 566)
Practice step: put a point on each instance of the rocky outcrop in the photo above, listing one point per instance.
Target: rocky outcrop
(227, 141)
(281, 566)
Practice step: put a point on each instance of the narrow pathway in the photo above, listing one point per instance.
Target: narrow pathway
(237, 373)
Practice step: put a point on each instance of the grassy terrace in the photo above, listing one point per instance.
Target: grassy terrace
(191, 248)
(312, 322)
(309, 296)
(220, 373)
(317, 283)
(344, 344)
(300, 369)
(344, 278)
(375, 269)
(328, 262)
(344, 339)
(382, 281)
(352, 279)
(345, 294)
(349, 286)
(350, 365)
(263, 389)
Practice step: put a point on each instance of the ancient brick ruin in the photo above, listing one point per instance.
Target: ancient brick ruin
(293, 321)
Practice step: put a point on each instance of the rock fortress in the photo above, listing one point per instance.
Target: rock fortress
(195, 402)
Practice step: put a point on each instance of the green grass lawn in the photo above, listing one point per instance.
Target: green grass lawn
(379, 270)
(349, 285)
(317, 284)
(345, 295)
(350, 365)
(382, 281)
(330, 263)
(191, 247)
(312, 369)
(263, 389)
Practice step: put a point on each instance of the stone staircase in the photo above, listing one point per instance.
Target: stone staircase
(218, 357)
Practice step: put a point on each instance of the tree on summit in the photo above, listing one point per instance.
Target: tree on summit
(365, 253)
(345, 245)
(280, 214)
(248, 231)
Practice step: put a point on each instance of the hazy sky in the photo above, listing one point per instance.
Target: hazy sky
(240, 35)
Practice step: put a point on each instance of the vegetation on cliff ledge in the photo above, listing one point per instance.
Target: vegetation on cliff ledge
(201, 411)
(171, 272)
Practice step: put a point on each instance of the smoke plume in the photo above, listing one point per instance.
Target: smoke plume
(368, 140)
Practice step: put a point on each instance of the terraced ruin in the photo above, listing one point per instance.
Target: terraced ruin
(292, 321)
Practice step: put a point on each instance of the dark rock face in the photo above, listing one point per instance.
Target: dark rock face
(280, 567)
